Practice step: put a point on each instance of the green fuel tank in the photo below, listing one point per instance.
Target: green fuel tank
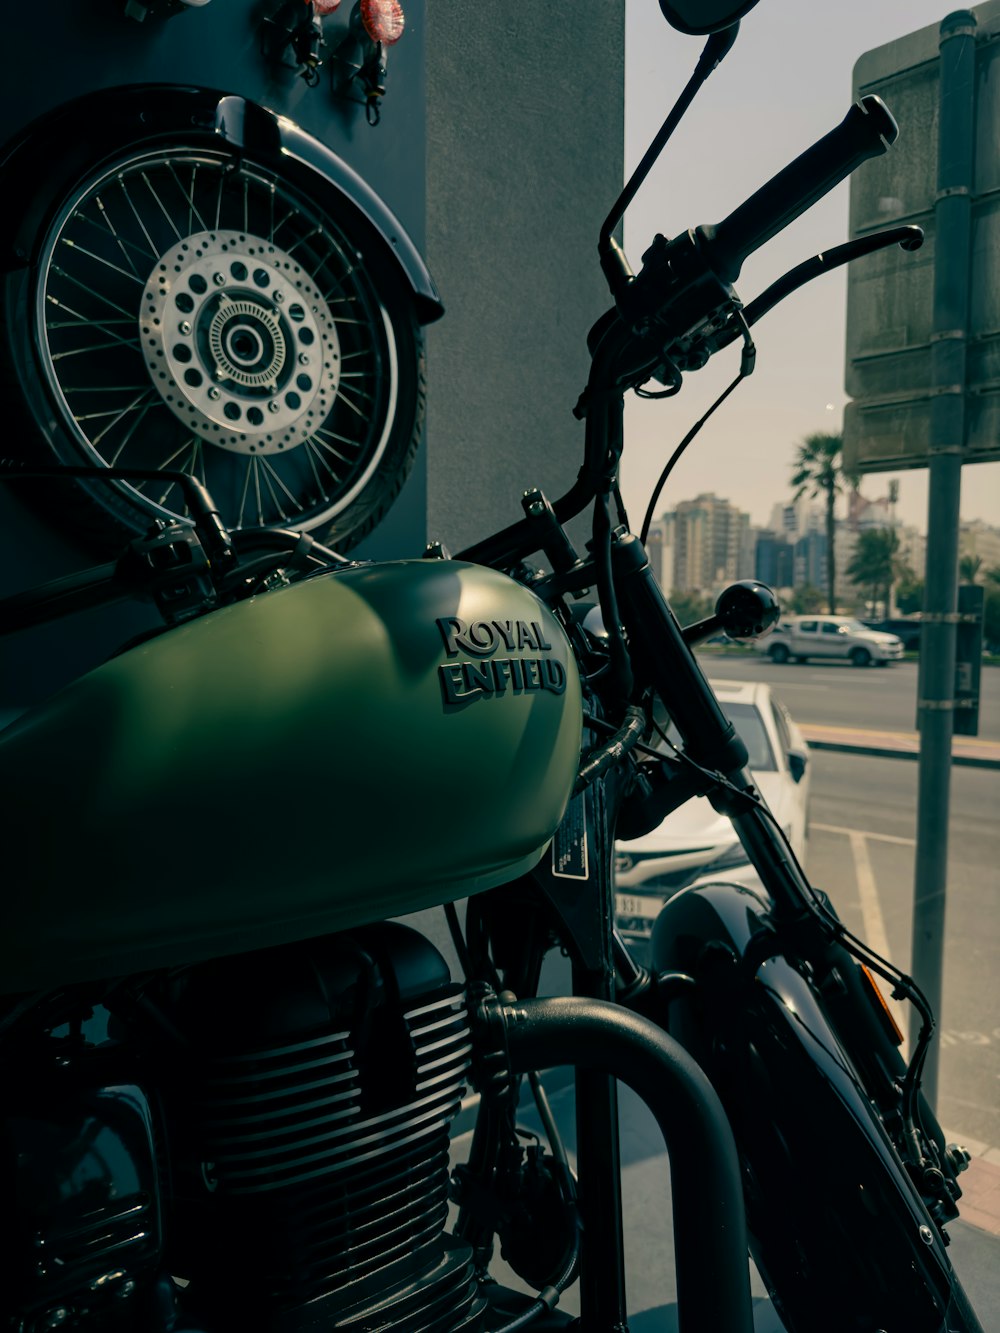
(357, 746)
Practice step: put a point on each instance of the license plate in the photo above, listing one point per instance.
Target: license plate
(638, 905)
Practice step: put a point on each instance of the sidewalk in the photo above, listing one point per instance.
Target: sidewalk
(972, 751)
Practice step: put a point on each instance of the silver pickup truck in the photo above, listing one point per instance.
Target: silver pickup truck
(797, 638)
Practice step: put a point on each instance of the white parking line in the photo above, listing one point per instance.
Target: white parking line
(874, 932)
(871, 908)
(864, 833)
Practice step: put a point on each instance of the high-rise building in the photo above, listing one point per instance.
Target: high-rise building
(710, 544)
(774, 560)
(811, 556)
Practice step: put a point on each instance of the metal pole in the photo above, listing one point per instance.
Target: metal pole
(936, 679)
(602, 1242)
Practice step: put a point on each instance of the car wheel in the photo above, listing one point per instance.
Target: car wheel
(191, 310)
(860, 657)
(779, 653)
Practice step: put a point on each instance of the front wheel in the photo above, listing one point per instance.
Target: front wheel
(190, 309)
(860, 657)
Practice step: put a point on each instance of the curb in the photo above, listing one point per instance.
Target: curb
(966, 751)
(887, 752)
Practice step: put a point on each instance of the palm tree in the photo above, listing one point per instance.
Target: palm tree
(875, 563)
(969, 567)
(819, 471)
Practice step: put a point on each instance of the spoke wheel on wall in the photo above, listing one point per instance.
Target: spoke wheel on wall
(191, 311)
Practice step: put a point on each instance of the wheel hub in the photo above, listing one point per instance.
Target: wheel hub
(239, 342)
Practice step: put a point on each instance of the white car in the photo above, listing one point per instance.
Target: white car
(797, 638)
(695, 844)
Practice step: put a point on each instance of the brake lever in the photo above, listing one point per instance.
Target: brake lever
(907, 237)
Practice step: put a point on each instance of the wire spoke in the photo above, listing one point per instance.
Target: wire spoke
(95, 347)
(270, 468)
(188, 196)
(334, 435)
(106, 218)
(292, 213)
(358, 375)
(159, 203)
(132, 428)
(265, 470)
(133, 406)
(165, 463)
(344, 397)
(61, 272)
(161, 499)
(256, 486)
(312, 455)
(116, 268)
(80, 321)
(135, 213)
(243, 494)
(103, 388)
(331, 450)
(290, 249)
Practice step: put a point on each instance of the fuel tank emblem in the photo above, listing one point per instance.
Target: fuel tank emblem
(462, 681)
(481, 638)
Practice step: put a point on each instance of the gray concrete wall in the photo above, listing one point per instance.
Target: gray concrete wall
(525, 139)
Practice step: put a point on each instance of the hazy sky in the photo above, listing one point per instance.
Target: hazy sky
(784, 84)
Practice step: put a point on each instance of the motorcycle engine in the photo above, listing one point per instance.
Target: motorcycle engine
(294, 1177)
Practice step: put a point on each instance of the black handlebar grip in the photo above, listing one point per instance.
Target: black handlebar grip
(866, 131)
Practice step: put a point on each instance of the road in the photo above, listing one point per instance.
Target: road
(835, 694)
(861, 851)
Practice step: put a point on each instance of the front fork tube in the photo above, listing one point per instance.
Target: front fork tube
(664, 661)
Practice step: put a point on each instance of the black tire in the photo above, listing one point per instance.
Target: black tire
(191, 309)
(860, 657)
(778, 653)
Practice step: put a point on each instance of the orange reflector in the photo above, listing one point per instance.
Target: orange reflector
(897, 1035)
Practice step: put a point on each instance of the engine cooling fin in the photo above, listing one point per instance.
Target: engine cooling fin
(311, 1166)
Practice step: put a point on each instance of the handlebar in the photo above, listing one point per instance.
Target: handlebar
(866, 131)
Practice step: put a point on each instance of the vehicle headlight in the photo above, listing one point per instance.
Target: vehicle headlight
(728, 858)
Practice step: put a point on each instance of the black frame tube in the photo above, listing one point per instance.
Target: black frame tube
(710, 1241)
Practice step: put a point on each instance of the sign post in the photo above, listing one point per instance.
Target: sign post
(923, 370)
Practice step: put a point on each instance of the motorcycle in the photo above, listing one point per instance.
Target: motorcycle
(231, 1071)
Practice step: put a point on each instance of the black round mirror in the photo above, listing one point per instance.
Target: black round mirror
(701, 17)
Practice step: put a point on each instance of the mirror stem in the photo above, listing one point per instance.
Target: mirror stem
(614, 265)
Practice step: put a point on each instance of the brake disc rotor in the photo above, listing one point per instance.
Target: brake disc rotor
(239, 342)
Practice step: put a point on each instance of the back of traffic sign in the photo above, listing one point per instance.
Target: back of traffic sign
(893, 376)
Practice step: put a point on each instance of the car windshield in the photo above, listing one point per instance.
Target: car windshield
(854, 626)
(750, 725)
